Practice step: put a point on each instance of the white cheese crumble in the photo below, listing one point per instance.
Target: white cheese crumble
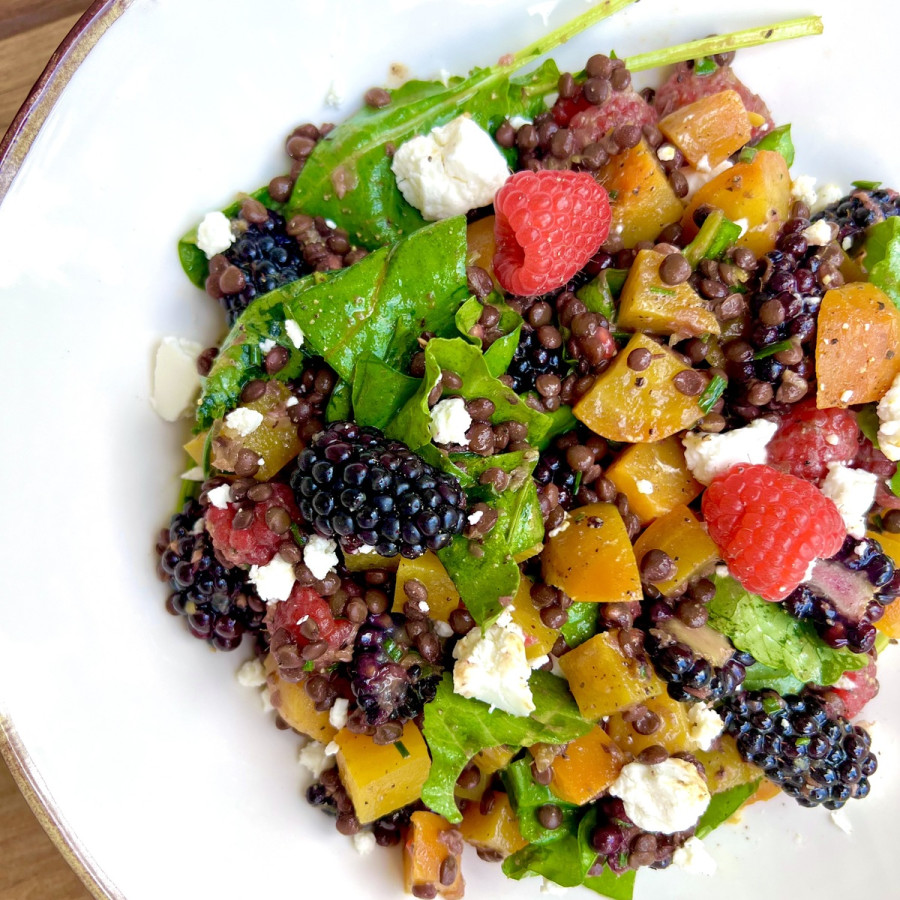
(450, 421)
(267, 345)
(668, 797)
(332, 748)
(265, 700)
(825, 196)
(334, 96)
(539, 661)
(703, 164)
(518, 121)
(698, 176)
(475, 517)
(273, 581)
(704, 725)
(839, 819)
(220, 496)
(454, 168)
(492, 667)
(644, 486)
(889, 419)
(320, 555)
(251, 674)
(803, 188)
(194, 474)
(314, 758)
(442, 629)
(847, 396)
(693, 857)
(566, 522)
(337, 715)
(819, 233)
(244, 420)
(176, 380)
(294, 332)
(214, 234)
(853, 493)
(666, 153)
(709, 455)
(364, 842)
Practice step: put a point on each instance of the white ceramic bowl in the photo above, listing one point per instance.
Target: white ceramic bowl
(161, 772)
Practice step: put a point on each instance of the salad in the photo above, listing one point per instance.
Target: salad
(549, 463)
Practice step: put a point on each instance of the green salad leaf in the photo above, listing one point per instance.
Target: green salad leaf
(500, 353)
(882, 256)
(581, 624)
(760, 677)
(723, 806)
(716, 235)
(526, 797)
(457, 728)
(379, 392)
(778, 139)
(775, 638)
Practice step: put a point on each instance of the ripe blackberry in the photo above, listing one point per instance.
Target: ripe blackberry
(532, 359)
(354, 484)
(814, 757)
(269, 258)
(846, 594)
(386, 690)
(218, 603)
(854, 213)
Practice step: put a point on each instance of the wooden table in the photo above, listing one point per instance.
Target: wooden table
(31, 867)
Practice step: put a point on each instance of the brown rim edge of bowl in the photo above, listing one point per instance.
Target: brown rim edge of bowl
(42, 97)
(14, 148)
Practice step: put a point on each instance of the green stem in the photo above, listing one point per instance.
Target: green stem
(723, 43)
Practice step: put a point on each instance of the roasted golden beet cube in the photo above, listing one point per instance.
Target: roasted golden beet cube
(710, 129)
(673, 732)
(429, 571)
(725, 768)
(496, 830)
(539, 639)
(427, 852)
(587, 767)
(296, 707)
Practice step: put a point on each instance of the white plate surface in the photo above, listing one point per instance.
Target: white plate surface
(160, 764)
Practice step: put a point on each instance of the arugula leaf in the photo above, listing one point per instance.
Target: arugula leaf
(776, 638)
(581, 624)
(616, 887)
(457, 728)
(760, 677)
(723, 806)
(778, 139)
(348, 176)
(882, 256)
(526, 797)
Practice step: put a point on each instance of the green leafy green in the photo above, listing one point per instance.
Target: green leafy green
(500, 353)
(339, 403)
(715, 236)
(882, 256)
(772, 349)
(775, 638)
(760, 677)
(866, 185)
(723, 806)
(712, 392)
(457, 728)
(867, 419)
(581, 624)
(597, 296)
(526, 797)
(778, 139)
(379, 392)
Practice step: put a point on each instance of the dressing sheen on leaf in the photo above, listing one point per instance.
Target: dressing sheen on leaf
(882, 259)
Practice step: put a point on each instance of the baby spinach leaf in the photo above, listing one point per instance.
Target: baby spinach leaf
(457, 728)
(348, 176)
(526, 797)
(723, 806)
(467, 317)
(597, 296)
(776, 638)
(379, 392)
(499, 355)
(581, 624)
(339, 403)
(760, 677)
(778, 139)
(882, 256)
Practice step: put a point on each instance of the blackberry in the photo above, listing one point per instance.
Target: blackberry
(354, 484)
(268, 257)
(846, 594)
(386, 690)
(814, 757)
(532, 359)
(854, 213)
(218, 603)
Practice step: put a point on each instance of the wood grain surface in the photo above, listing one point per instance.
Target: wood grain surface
(30, 866)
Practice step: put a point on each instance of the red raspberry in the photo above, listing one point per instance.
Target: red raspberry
(810, 438)
(769, 526)
(857, 689)
(305, 604)
(548, 225)
(256, 545)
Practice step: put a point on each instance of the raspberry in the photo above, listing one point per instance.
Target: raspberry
(769, 526)
(549, 224)
(258, 542)
(305, 604)
(810, 438)
(856, 689)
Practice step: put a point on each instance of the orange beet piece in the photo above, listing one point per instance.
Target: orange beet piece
(587, 767)
(709, 129)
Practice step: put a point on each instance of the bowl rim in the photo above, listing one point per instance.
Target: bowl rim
(14, 147)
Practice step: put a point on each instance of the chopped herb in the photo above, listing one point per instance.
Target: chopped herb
(866, 185)
(705, 66)
(392, 649)
(668, 292)
(713, 392)
(309, 666)
(401, 749)
(578, 477)
(298, 535)
(772, 349)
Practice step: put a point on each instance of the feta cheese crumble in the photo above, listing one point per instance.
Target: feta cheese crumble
(709, 455)
(294, 332)
(267, 345)
(243, 420)
(220, 496)
(889, 419)
(214, 234)
(251, 674)
(492, 667)
(176, 380)
(194, 474)
(819, 233)
(666, 153)
(475, 517)
(700, 175)
(442, 629)
(273, 581)
(337, 715)
(704, 725)
(314, 758)
(803, 188)
(693, 857)
(364, 842)
(450, 421)
(454, 168)
(825, 196)
(644, 486)
(668, 797)
(853, 493)
(743, 224)
(320, 555)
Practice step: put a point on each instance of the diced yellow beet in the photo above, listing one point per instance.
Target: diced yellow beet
(474, 792)
(425, 852)
(496, 831)
(647, 303)
(710, 129)
(364, 562)
(194, 447)
(767, 790)
(591, 559)
(443, 597)
(603, 680)
(480, 244)
(528, 553)
(654, 477)
(632, 407)
(641, 198)
(681, 535)
(539, 639)
(296, 707)
(378, 777)
(758, 191)
(587, 767)
(724, 766)
(493, 759)
(673, 731)
(857, 345)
